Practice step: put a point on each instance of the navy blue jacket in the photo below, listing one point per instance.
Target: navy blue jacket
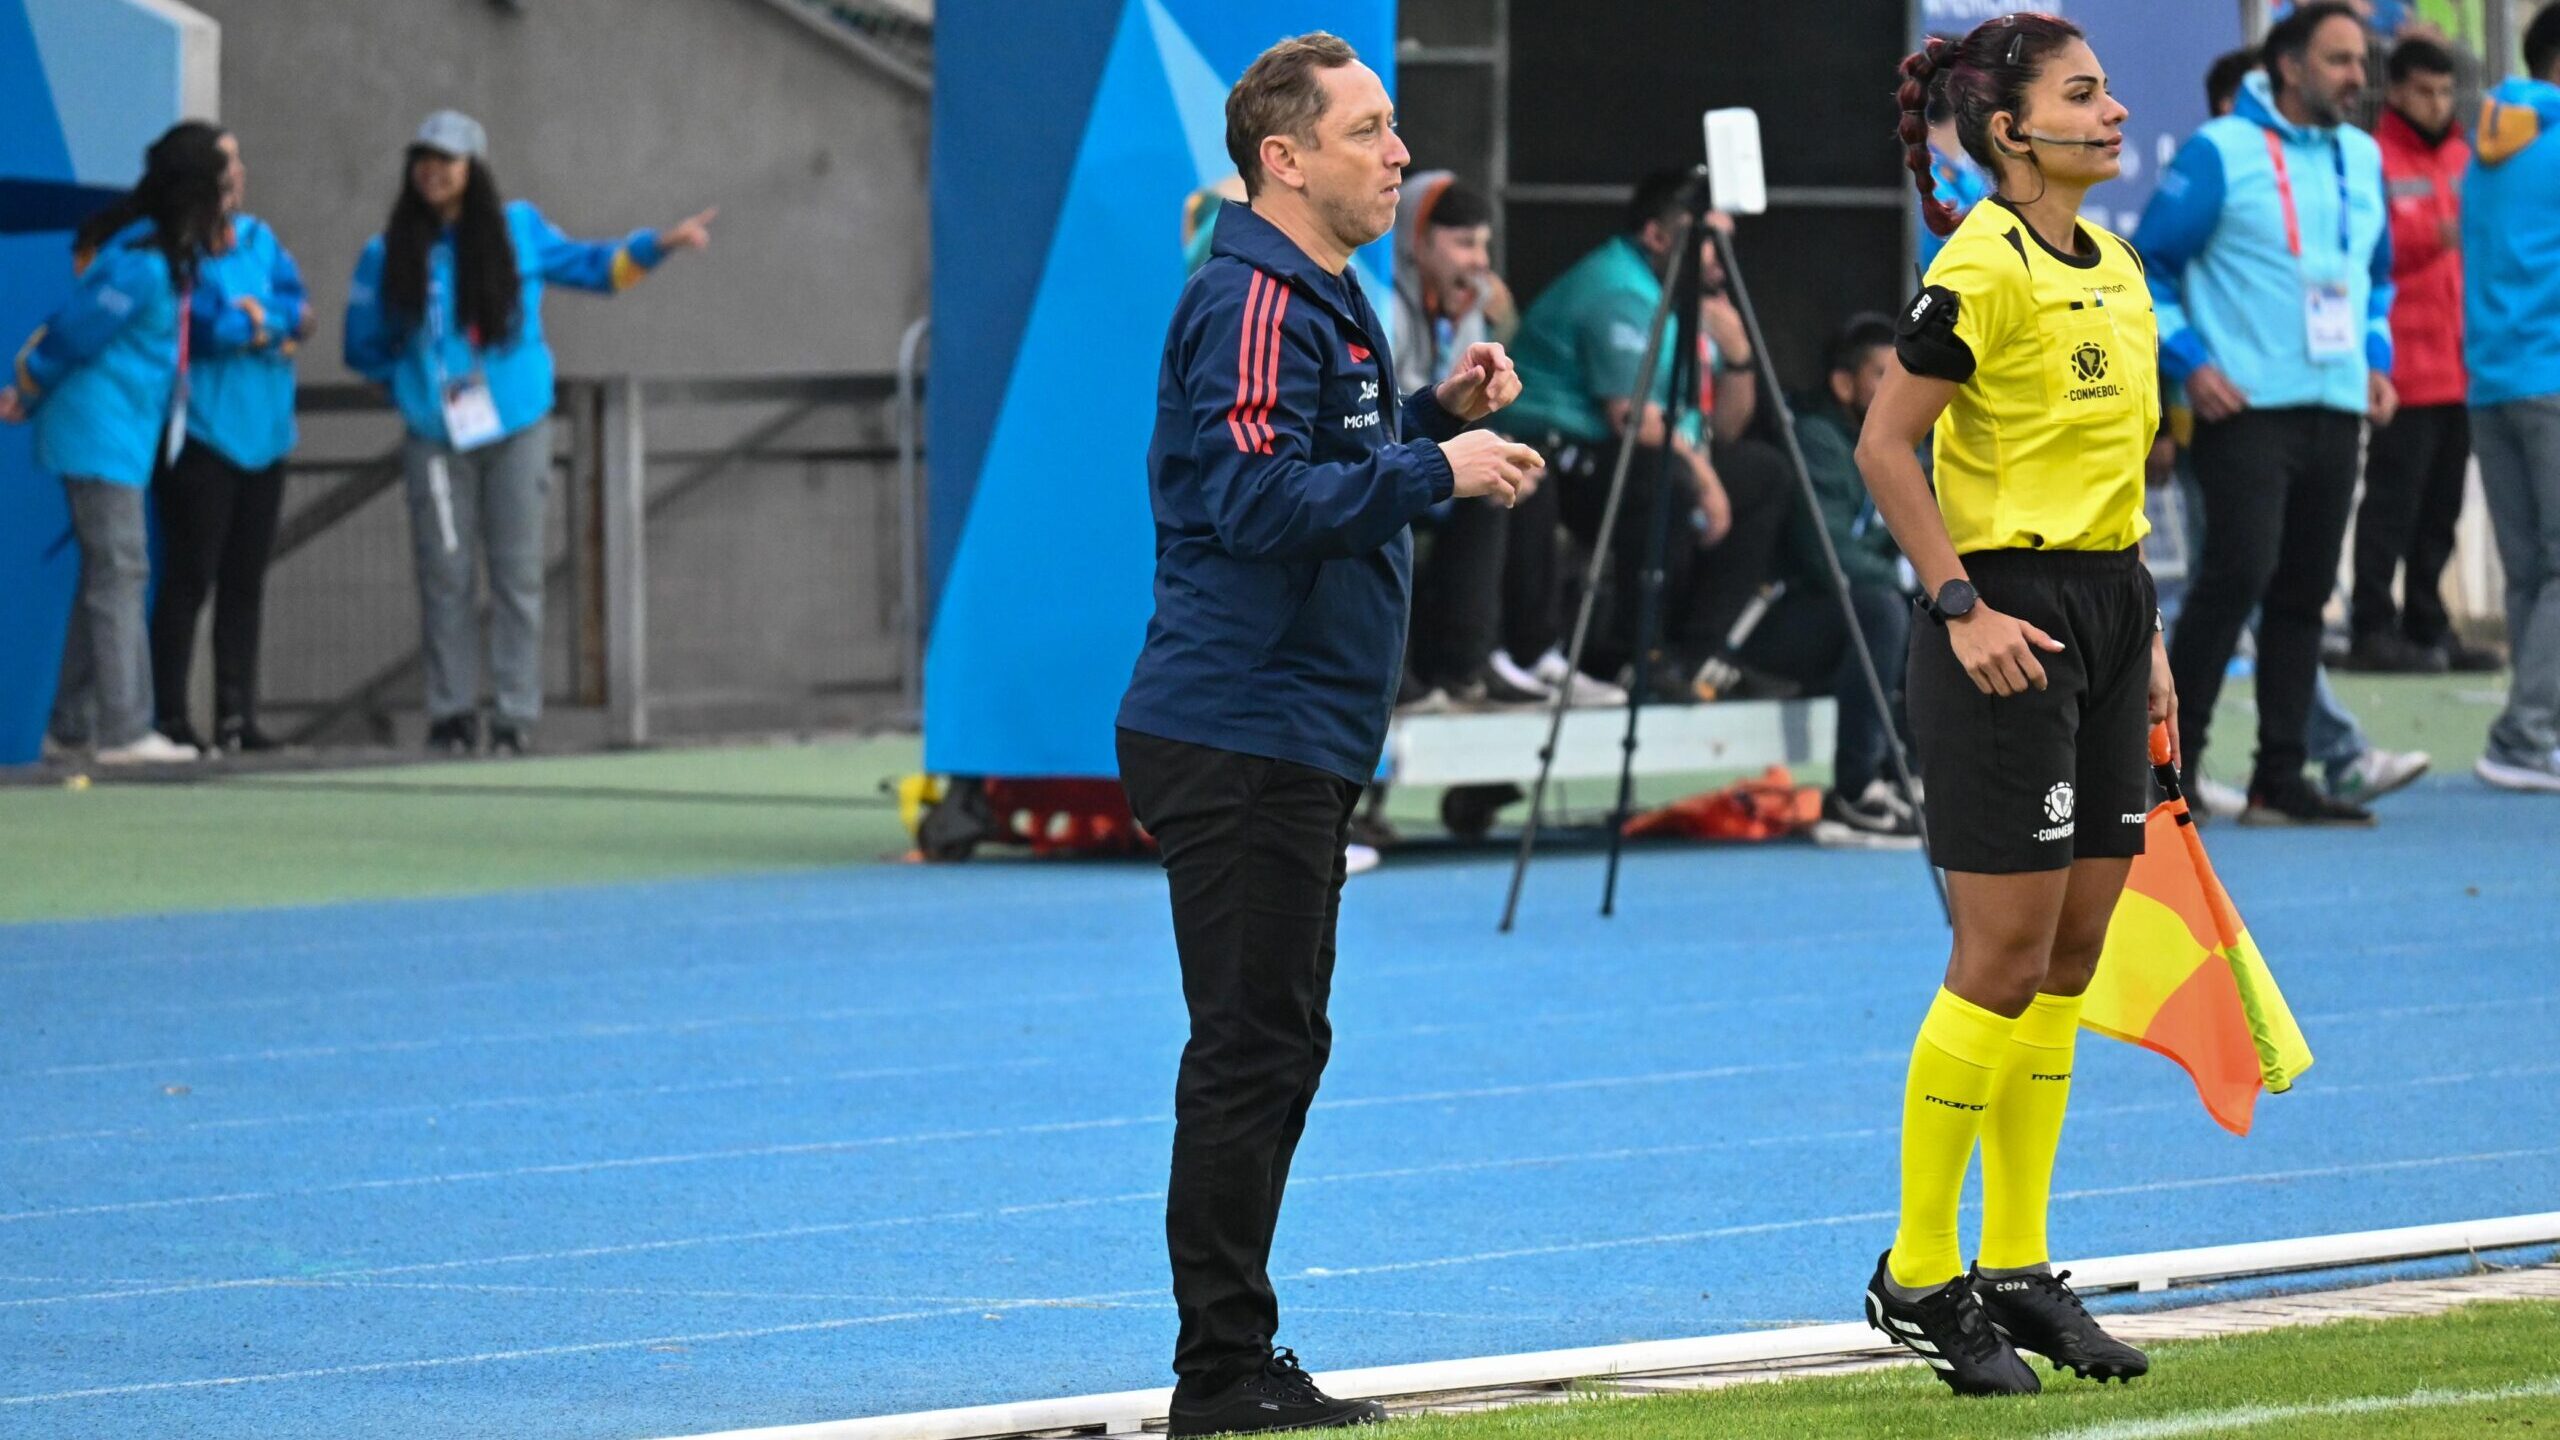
(1283, 475)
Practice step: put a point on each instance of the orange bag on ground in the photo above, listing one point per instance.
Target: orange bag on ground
(1770, 807)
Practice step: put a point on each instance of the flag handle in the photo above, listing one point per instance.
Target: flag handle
(2165, 770)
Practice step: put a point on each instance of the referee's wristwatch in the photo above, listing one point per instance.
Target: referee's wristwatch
(1954, 601)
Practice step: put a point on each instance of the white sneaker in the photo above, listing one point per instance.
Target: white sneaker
(1552, 669)
(2508, 772)
(153, 748)
(1359, 859)
(1523, 687)
(1434, 701)
(2218, 798)
(57, 753)
(2376, 773)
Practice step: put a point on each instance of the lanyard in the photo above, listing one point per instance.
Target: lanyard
(2284, 192)
(186, 306)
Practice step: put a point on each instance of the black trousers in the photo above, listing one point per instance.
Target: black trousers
(218, 526)
(1253, 850)
(2278, 485)
(1488, 577)
(1457, 593)
(1704, 590)
(2413, 477)
(1805, 638)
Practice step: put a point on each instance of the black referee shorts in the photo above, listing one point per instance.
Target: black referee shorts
(2035, 781)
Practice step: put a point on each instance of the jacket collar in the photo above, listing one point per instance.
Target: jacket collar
(1261, 244)
(2257, 105)
(2406, 131)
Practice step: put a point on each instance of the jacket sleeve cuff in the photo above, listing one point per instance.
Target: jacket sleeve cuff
(2182, 355)
(2377, 352)
(1424, 413)
(1432, 468)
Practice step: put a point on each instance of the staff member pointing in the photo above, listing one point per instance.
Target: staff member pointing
(1283, 474)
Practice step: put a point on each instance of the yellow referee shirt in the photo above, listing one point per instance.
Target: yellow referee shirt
(2043, 447)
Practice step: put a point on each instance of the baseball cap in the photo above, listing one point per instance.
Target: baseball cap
(454, 133)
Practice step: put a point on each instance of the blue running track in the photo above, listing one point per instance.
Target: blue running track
(649, 1161)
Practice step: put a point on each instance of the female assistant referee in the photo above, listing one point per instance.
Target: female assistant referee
(2031, 353)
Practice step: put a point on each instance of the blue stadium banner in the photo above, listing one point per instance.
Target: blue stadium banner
(1070, 141)
(85, 85)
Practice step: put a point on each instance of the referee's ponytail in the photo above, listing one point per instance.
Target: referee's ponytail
(1984, 73)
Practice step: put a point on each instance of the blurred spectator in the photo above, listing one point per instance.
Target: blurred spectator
(2416, 466)
(220, 502)
(102, 379)
(1961, 183)
(446, 310)
(1579, 348)
(2356, 769)
(2511, 240)
(1447, 298)
(1447, 294)
(2269, 262)
(1804, 637)
(2222, 81)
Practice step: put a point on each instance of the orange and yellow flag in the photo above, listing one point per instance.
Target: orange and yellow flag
(2180, 974)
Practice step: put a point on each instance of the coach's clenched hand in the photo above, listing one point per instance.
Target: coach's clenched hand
(1483, 381)
(1486, 464)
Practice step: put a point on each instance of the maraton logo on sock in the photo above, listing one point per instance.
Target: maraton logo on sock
(1950, 1104)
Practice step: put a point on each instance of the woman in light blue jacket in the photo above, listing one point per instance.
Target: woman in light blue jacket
(101, 379)
(220, 502)
(446, 310)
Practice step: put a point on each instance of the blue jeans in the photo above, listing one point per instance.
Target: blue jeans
(2519, 448)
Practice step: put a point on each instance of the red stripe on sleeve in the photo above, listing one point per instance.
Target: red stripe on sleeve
(1244, 363)
(1271, 368)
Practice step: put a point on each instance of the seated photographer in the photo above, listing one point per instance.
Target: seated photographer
(1805, 639)
(1578, 350)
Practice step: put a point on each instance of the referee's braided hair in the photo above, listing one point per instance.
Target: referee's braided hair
(1986, 72)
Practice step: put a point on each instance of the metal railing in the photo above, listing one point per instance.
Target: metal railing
(722, 554)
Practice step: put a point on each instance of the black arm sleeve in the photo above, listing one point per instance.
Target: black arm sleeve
(1926, 340)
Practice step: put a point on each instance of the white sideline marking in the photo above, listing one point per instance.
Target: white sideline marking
(2240, 1417)
(873, 1142)
(589, 1348)
(594, 1031)
(513, 1102)
(1683, 1237)
(1449, 1167)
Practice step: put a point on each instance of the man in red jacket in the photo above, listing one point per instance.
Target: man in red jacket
(2414, 470)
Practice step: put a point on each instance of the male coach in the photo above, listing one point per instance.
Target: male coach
(1283, 475)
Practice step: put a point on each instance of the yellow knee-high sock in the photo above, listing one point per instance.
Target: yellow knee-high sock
(1954, 1063)
(2021, 1131)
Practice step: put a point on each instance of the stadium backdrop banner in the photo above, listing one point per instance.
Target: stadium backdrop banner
(1067, 137)
(84, 86)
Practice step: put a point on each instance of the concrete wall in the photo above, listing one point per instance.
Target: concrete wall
(610, 114)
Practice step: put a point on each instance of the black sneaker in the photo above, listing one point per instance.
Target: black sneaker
(1279, 1396)
(455, 735)
(1949, 1328)
(2389, 653)
(2293, 800)
(2040, 1313)
(241, 736)
(508, 738)
(2467, 659)
(1879, 819)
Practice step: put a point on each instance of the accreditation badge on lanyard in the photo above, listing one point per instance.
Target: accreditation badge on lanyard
(470, 411)
(2331, 328)
(176, 439)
